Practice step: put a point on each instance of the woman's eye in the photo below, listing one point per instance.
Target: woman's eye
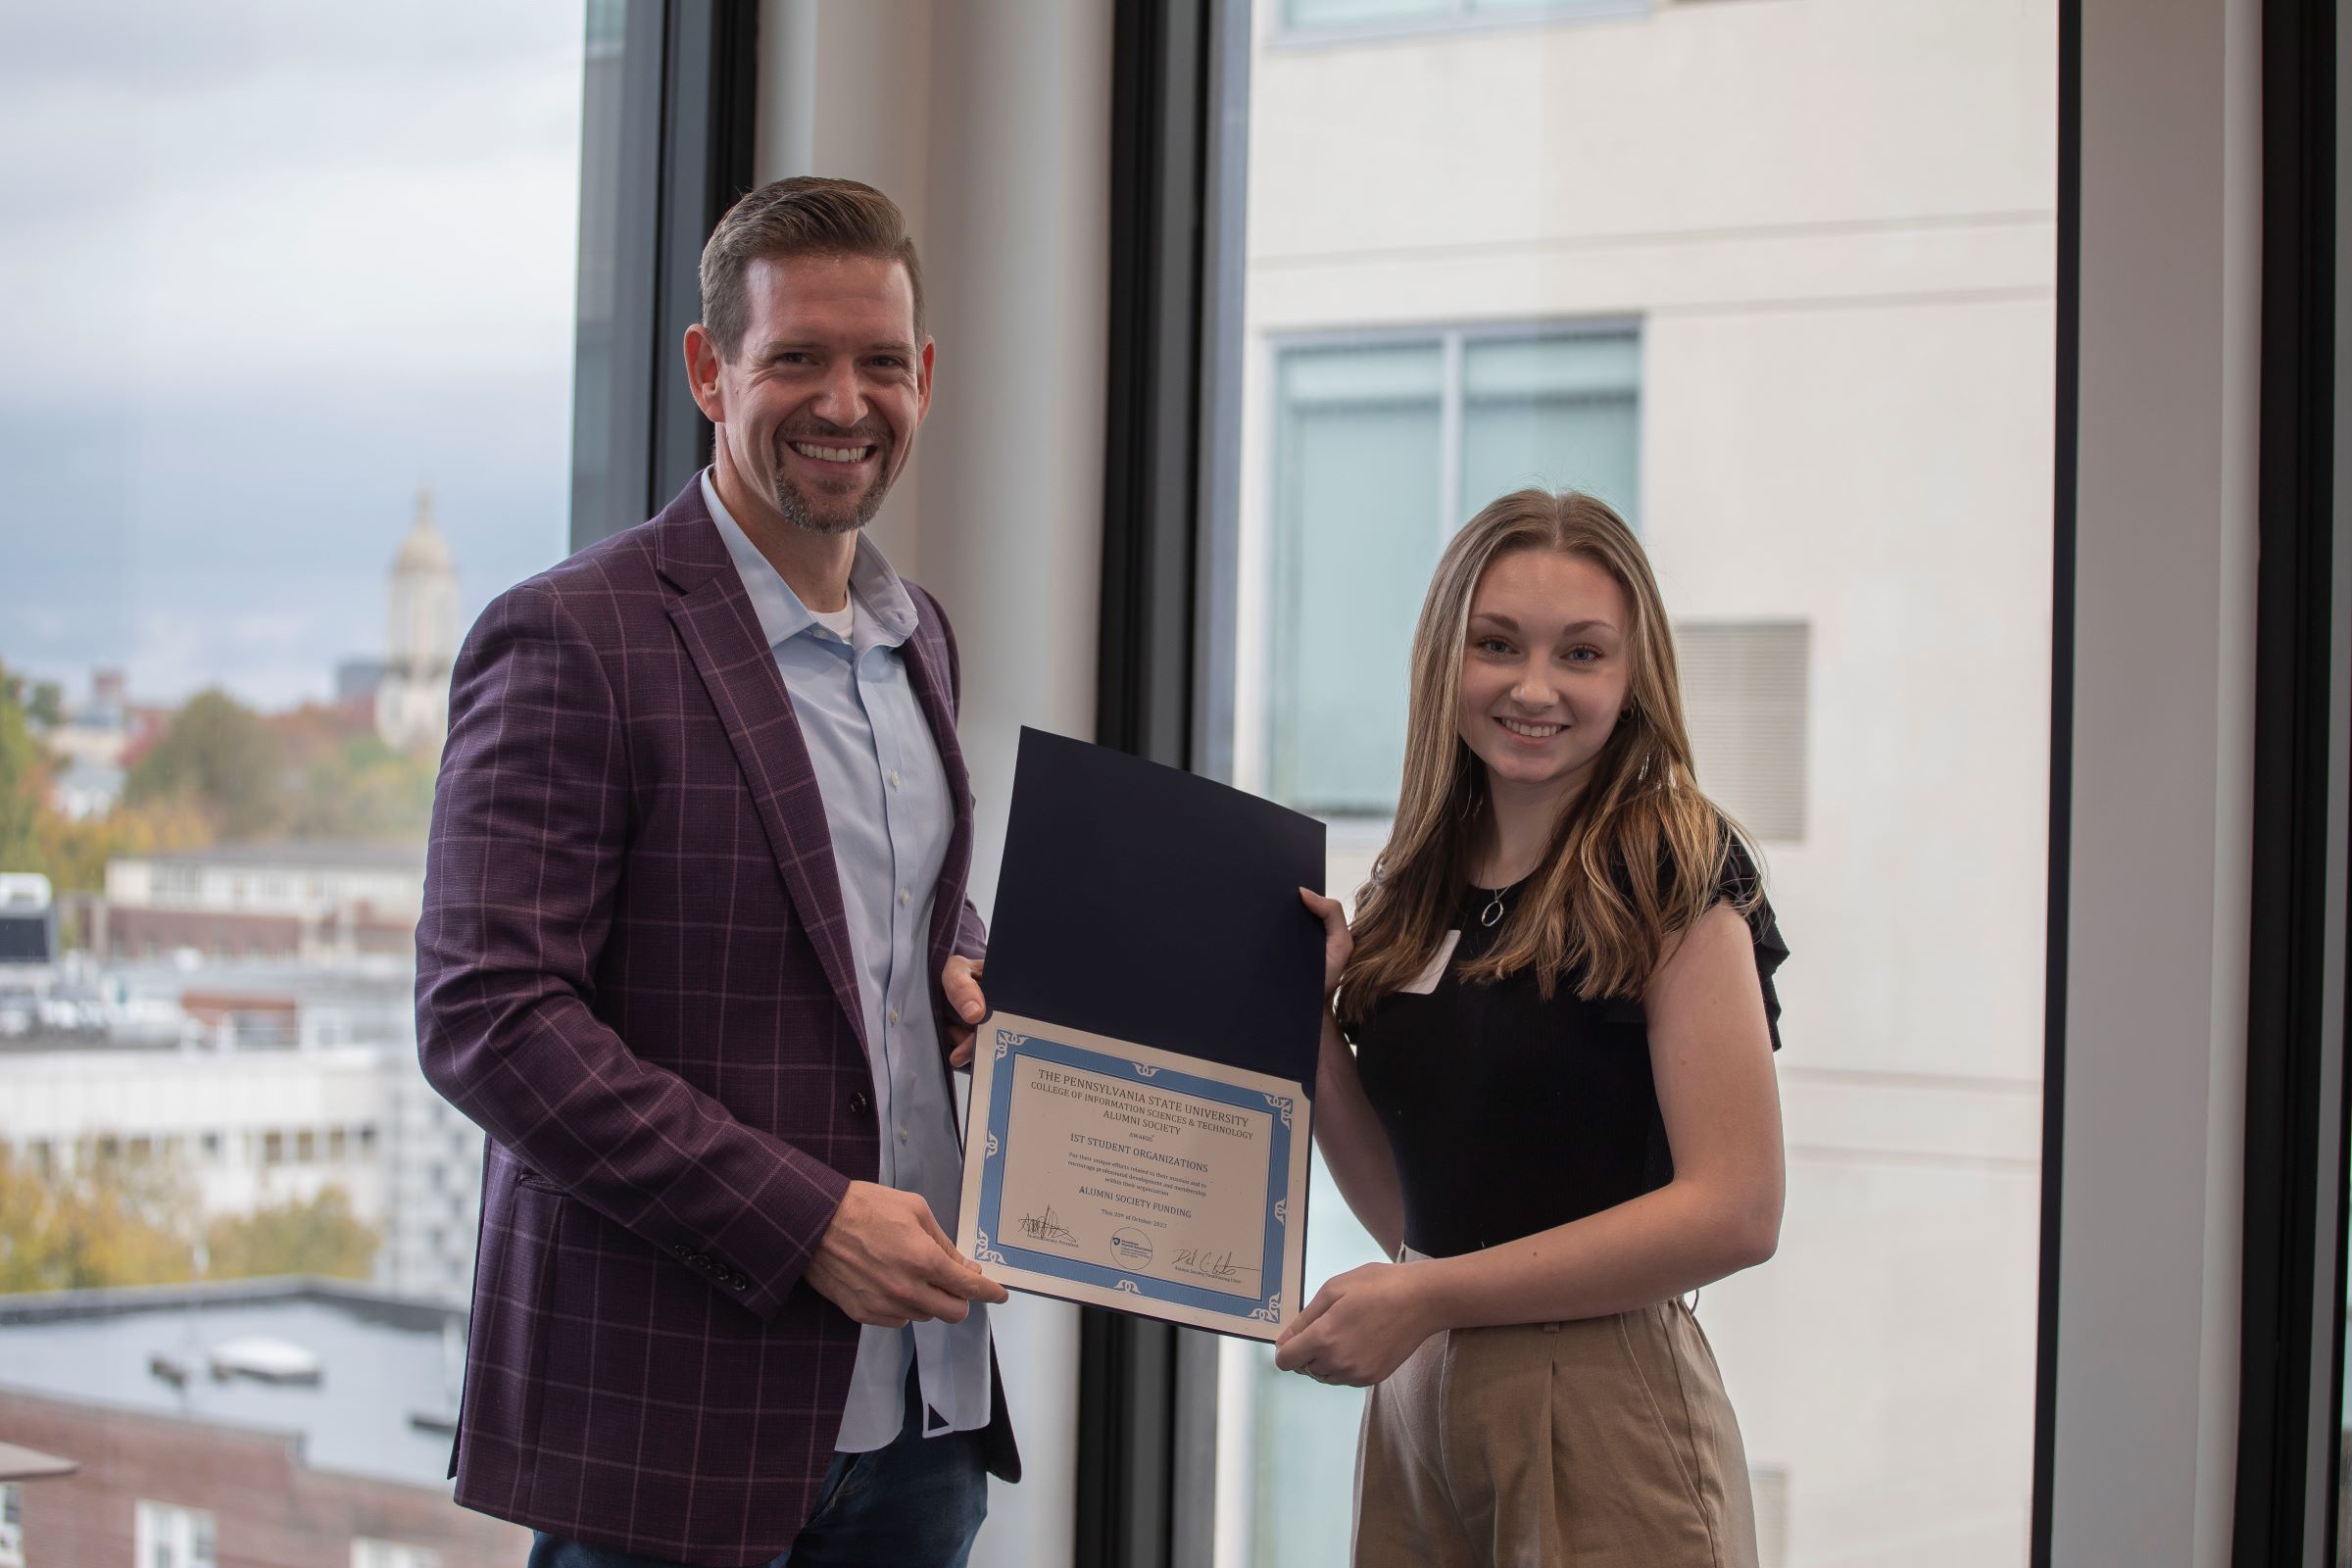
(1583, 655)
(1491, 644)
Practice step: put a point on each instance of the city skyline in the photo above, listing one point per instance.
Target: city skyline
(211, 461)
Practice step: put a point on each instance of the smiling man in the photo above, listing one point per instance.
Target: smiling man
(695, 954)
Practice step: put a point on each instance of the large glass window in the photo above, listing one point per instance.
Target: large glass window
(285, 396)
(1380, 449)
(1777, 281)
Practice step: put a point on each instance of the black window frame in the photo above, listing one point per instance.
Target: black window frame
(2292, 1271)
(669, 117)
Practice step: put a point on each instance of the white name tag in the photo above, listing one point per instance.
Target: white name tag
(1426, 980)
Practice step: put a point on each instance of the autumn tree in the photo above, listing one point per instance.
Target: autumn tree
(366, 790)
(109, 1225)
(320, 1237)
(113, 1224)
(221, 756)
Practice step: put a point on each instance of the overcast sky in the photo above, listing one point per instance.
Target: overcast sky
(267, 265)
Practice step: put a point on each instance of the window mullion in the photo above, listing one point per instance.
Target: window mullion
(1450, 438)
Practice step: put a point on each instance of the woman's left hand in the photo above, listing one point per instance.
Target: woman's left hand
(1360, 1326)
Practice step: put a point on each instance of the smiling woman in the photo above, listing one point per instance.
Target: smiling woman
(1569, 1119)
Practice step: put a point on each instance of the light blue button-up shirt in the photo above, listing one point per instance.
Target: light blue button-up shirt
(888, 812)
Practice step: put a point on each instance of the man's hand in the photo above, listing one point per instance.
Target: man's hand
(960, 979)
(884, 1260)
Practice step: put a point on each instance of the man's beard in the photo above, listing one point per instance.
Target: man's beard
(798, 509)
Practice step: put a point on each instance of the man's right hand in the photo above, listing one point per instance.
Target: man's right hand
(884, 1260)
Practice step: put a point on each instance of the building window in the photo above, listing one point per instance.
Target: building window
(336, 1141)
(305, 1146)
(169, 1536)
(11, 1524)
(273, 1149)
(367, 1553)
(211, 1146)
(1382, 448)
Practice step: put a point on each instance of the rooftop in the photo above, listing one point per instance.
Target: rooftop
(383, 1361)
(298, 853)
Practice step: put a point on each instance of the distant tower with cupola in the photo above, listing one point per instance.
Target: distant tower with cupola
(421, 636)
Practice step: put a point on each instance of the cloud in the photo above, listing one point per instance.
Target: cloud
(270, 263)
(297, 186)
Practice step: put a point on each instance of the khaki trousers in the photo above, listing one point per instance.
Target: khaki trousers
(1601, 1443)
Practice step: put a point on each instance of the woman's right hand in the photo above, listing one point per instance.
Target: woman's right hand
(1337, 944)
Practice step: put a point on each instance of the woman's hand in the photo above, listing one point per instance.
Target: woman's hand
(1337, 944)
(1360, 1326)
(960, 979)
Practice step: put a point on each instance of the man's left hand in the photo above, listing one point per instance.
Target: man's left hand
(1360, 1326)
(960, 979)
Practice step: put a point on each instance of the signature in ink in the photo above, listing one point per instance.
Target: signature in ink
(1200, 1260)
(1046, 1227)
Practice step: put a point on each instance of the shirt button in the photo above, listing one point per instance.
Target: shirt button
(905, 898)
(902, 1134)
(893, 779)
(894, 1015)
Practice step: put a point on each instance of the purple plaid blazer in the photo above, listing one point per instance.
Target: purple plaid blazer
(633, 971)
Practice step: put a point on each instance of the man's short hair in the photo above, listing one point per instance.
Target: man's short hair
(807, 215)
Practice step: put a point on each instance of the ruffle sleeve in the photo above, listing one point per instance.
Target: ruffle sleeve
(1742, 880)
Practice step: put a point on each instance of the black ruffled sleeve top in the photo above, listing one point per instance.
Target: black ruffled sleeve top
(1509, 1114)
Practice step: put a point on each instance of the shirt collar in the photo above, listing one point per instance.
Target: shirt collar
(888, 618)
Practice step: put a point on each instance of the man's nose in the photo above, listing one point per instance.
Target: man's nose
(840, 400)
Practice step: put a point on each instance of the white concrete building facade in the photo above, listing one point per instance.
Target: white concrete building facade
(1778, 280)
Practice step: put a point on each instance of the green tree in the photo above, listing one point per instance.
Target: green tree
(321, 1236)
(24, 780)
(221, 755)
(364, 789)
(47, 704)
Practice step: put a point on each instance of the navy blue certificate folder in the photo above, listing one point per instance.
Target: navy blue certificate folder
(1157, 906)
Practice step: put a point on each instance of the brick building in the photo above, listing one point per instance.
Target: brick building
(263, 1424)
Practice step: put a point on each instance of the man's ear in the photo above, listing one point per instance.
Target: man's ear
(702, 373)
(922, 378)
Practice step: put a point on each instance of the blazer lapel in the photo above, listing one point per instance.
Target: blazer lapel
(714, 619)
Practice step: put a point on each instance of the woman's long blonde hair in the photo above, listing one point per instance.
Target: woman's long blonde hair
(1639, 855)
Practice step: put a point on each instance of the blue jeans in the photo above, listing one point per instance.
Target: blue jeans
(917, 1503)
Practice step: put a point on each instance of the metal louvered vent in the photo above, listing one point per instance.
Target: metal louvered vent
(1744, 696)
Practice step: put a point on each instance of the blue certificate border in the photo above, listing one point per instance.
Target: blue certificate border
(1009, 1046)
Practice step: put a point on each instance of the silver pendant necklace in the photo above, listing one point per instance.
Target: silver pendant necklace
(1493, 910)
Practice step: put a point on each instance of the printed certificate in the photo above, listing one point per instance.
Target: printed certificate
(1121, 1176)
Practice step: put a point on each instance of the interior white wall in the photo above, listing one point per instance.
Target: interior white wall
(2146, 1392)
(988, 121)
